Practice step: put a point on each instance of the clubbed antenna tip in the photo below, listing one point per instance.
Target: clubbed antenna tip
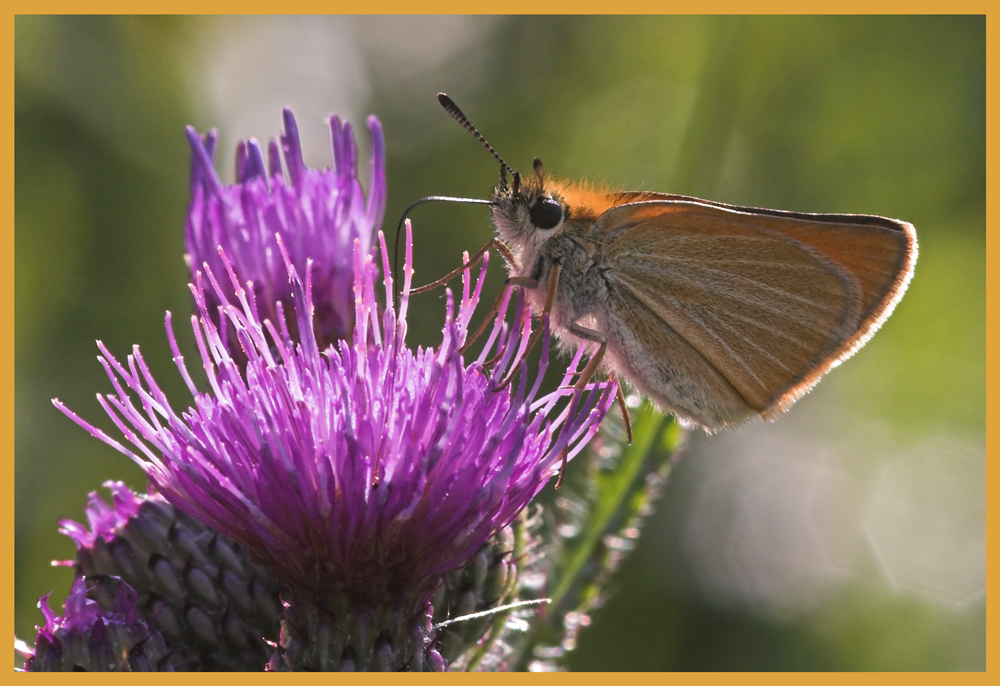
(449, 105)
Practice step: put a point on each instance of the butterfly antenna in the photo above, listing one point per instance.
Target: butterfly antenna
(449, 105)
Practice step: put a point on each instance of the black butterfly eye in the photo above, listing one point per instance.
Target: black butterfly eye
(546, 213)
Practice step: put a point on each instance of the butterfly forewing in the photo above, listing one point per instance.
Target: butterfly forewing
(767, 301)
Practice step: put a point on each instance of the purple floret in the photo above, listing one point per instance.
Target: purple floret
(104, 519)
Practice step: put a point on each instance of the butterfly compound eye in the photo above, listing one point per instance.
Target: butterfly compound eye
(546, 213)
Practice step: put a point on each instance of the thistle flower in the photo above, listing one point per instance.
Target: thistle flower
(318, 215)
(86, 638)
(358, 474)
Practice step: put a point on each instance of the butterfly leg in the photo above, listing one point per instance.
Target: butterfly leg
(620, 397)
(550, 296)
(508, 257)
(595, 359)
(494, 311)
(475, 259)
(586, 375)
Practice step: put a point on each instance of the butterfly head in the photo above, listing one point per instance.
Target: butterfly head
(526, 213)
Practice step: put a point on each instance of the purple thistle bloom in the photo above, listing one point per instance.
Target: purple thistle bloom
(363, 471)
(318, 214)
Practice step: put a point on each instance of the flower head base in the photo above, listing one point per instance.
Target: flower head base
(213, 607)
(319, 214)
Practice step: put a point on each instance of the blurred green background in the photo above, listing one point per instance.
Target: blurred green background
(849, 535)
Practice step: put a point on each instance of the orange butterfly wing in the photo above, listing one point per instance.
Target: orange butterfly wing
(742, 310)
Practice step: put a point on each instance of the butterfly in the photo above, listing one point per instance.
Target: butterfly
(716, 312)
